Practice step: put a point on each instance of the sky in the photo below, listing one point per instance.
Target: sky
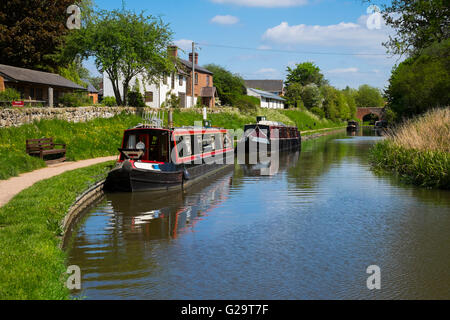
(259, 39)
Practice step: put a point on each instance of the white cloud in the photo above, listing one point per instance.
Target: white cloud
(227, 20)
(343, 70)
(344, 34)
(184, 44)
(267, 70)
(264, 3)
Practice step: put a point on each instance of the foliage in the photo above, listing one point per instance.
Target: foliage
(311, 96)
(109, 101)
(293, 95)
(32, 264)
(135, 98)
(124, 44)
(74, 72)
(173, 101)
(418, 150)
(418, 24)
(230, 87)
(31, 31)
(421, 82)
(9, 95)
(247, 103)
(305, 73)
(75, 99)
(369, 97)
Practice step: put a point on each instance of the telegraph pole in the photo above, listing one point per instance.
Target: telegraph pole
(193, 73)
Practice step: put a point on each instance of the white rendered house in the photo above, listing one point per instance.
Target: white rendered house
(268, 100)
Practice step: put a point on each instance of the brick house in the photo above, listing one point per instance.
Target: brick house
(36, 86)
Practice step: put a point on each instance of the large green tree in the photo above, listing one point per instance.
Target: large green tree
(305, 73)
(123, 44)
(417, 23)
(31, 31)
(422, 82)
(369, 97)
(230, 87)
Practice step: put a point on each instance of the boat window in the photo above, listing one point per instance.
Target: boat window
(184, 146)
(131, 144)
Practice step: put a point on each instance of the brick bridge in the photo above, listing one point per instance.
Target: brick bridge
(362, 112)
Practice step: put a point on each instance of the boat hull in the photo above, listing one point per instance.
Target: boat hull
(125, 178)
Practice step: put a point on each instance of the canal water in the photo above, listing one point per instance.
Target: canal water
(308, 231)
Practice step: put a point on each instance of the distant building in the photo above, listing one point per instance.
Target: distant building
(179, 83)
(36, 86)
(268, 99)
(272, 86)
(92, 92)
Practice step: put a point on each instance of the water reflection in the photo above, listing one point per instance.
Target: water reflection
(309, 230)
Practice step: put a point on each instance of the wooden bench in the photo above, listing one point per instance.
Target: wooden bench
(46, 146)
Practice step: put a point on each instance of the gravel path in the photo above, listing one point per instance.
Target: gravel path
(9, 188)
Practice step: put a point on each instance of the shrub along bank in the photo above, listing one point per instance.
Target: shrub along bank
(419, 150)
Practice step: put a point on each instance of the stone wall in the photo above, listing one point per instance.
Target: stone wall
(17, 117)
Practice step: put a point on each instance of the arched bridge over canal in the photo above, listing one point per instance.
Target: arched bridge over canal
(362, 112)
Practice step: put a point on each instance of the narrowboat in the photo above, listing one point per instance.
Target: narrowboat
(352, 126)
(161, 159)
(269, 134)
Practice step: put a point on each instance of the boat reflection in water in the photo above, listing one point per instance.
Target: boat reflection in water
(273, 165)
(163, 217)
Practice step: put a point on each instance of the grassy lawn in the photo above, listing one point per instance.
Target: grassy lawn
(32, 265)
(418, 151)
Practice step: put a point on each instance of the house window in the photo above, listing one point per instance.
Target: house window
(149, 96)
(39, 95)
(196, 78)
(172, 83)
(180, 80)
(32, 96)
(165, 78)
(207, 81)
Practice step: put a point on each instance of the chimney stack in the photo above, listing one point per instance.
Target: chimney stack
(196, 57)
(172, 51)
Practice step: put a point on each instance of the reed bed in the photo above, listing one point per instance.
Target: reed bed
(418, 150)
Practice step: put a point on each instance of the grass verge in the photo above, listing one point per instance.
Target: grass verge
(418, 150)
(32, 265)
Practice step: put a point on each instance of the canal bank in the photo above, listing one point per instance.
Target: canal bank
(308, 231)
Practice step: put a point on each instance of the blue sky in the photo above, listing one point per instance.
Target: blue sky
(326, 32)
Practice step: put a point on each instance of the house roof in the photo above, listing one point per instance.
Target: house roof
(208, 92)
(188, 64)
(32, 76)
(90, 87)
(266, 94)
(266, 85)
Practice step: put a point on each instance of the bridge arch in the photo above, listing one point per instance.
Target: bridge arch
(362, 112)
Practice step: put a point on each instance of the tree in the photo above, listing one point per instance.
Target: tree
(420, 83)
(230, 87)
(294, 95)
(418, 24)
(305, 73)
(124, 44)
(31, 31)
(311, 96)
(369, 97)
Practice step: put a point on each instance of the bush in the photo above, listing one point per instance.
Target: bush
(247, 103)
(135, 99)
(318, 112)
(75, 99)
(109, 101)
(9, 95)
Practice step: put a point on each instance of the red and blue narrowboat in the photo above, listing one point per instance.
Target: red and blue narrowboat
(162, 159)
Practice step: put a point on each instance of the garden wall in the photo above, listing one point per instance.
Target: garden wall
(17, 117)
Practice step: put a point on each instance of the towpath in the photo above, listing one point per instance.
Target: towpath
(9, 188)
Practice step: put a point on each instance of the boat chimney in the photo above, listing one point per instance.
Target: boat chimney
(260, 118)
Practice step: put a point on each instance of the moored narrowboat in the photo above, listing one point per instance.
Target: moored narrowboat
(161, 159)
(270, 136)
(352, 126)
